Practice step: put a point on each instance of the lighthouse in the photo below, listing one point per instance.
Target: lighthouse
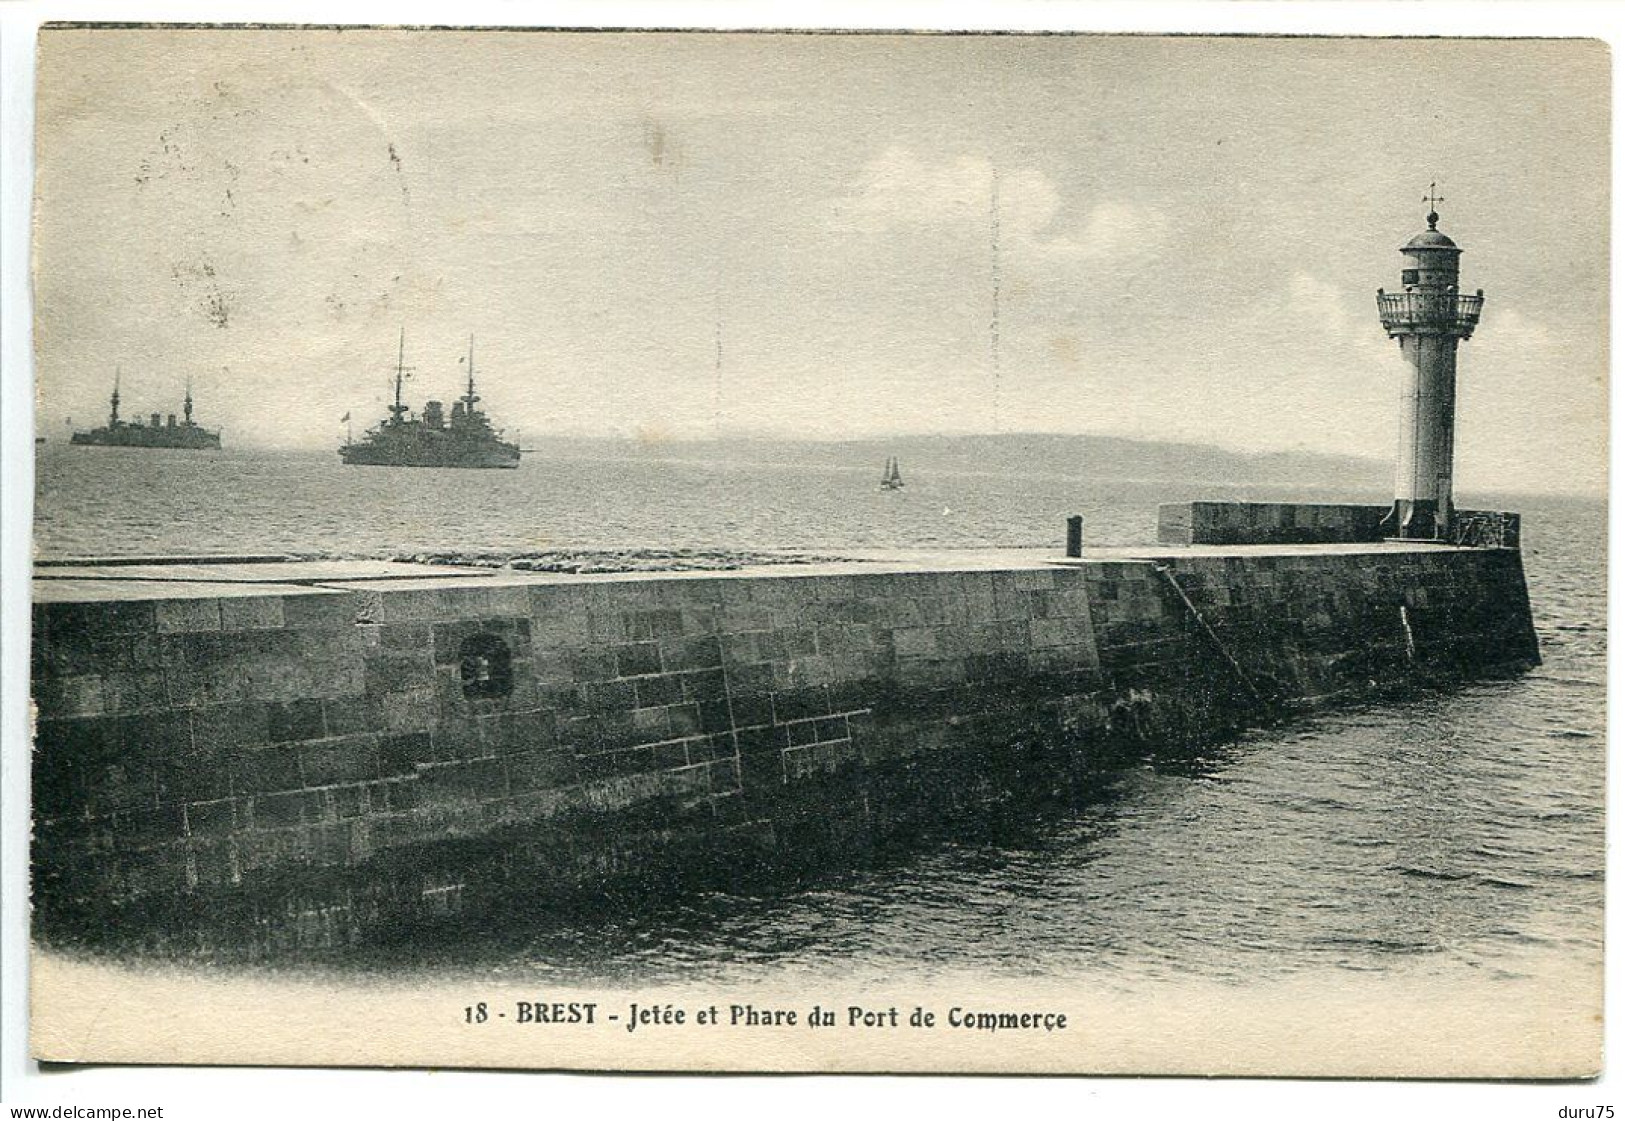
(1429, 317)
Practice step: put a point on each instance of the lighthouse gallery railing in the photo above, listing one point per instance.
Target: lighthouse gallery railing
(1429, 311)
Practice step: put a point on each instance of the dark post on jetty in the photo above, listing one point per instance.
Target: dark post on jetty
(1074, 536)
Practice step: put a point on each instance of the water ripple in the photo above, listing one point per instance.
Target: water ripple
(1461, 830)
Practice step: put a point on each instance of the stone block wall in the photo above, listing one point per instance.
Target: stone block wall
(1245, 636)
(1301, 523)
(257, 774)
(1267, 523)
(316, 756)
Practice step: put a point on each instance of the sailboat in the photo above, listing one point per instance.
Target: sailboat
(891, 478)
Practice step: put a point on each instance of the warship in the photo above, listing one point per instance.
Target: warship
(116, 433)
(465, 439)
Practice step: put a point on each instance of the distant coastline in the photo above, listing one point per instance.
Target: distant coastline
(1179, 467)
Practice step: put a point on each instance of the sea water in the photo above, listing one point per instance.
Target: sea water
(1455, 834)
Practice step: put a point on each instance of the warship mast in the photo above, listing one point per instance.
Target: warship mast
(397, 409)
(470, 397)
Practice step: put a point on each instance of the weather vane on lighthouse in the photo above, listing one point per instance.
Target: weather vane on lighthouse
(1428, 318)
(1433, 198)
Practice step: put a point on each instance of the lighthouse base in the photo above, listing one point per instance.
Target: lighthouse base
(1418, 520)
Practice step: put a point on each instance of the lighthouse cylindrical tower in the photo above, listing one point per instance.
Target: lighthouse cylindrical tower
(1428, 318)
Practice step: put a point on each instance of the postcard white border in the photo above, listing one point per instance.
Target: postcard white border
(325, 1093)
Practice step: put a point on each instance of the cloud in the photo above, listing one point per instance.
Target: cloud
(1515, 331)
(898, 190)
(1311, 300)
(1115, 230)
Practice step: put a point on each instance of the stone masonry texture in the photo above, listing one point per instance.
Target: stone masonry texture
(1289, 523)
(263, 774)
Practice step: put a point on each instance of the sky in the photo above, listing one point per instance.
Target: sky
(683, 236)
